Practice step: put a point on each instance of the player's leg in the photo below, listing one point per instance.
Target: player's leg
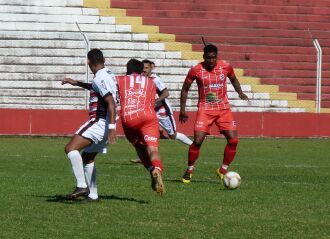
(168, 123)
(157, 183)
(90, 174)
(227, 127)
(72, 149)
(150, 138)
(203, 122)
(193, 154)
(161, 133)
(143, 156)
(230, 149)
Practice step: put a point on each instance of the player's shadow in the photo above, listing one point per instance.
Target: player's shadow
(62, 199)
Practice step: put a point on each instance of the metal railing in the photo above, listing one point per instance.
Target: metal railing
(87, 43)
(318, 73)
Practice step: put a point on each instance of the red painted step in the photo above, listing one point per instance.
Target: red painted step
(277, 65)
(304, 89)
(224, 16)
(320, 3)
(293, 81)
(310, 96)
(284, 73)
(271, 41)
(250, 8)
(237, 24)
(264, 49)
(234, 56)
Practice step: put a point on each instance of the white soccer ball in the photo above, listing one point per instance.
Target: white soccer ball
(232, 180)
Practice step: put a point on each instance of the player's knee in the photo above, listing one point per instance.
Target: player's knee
(172, 136)
(88, 157)
(197, 143)
(68, 149)
(233, 142)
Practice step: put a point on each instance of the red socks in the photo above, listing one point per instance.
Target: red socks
(193, 155)
(157, 163)
(229, 153)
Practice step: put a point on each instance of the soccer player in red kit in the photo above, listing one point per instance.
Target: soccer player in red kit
(140, 123)
(213, 107)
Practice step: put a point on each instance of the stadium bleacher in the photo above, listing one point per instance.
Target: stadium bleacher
(41, 44)
(269, 40)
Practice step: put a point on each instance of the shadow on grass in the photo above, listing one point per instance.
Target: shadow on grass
(199, 181)
(63, 199)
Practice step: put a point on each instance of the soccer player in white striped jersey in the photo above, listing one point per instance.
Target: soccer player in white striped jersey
(92, 136)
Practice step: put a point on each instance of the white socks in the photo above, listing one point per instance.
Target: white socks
(77, 167)
(183, 138)
(90, 173)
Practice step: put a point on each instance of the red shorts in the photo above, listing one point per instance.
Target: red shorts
(143, 131)
(222, 118)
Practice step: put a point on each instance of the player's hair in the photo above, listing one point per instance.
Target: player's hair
(148, 62)
(134, 66)
(95, 56)
(210, 48)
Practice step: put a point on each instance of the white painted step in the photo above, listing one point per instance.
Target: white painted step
(47, 18)
(49, 10)
(64, 27)
(47, 3)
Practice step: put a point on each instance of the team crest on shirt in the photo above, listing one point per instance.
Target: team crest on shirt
(222, 77)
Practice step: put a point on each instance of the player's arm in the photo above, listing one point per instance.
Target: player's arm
(163, 95)
(73, 82)
(237, 86)
(112, 117)
(183, 117)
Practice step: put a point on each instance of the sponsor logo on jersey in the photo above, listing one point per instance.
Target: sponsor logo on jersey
(199, 124)
(149, 138)
(216, 85)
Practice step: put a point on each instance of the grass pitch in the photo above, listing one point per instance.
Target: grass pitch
(285, 192)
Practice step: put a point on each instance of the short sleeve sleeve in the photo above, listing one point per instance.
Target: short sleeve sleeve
(230, 70)
(160, 86)
(191, 76)
(106, 84)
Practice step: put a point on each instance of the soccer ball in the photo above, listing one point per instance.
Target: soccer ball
(232, 180)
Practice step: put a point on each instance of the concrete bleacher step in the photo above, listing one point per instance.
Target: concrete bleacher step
(44, 36)
(46, 3)
(22, 9)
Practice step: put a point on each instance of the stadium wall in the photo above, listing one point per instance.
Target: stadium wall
(250, 124)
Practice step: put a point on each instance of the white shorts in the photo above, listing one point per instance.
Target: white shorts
(97, 132)
(168, 123)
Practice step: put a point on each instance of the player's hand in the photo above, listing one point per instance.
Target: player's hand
(112, 136)
(243, 96)
(183, 117)
(69, 81)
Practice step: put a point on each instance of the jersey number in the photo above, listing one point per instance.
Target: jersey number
(137, 80)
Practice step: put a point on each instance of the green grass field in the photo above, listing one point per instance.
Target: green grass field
(285, 192)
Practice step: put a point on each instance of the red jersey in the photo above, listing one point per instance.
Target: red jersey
(212, 85)
(137, 97)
